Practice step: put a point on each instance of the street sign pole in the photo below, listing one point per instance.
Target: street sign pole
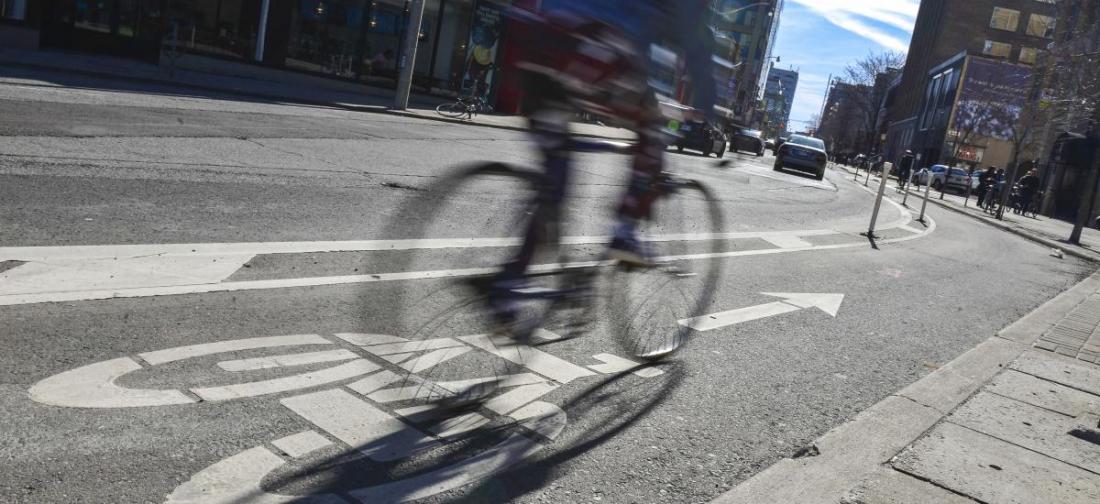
(407, 61)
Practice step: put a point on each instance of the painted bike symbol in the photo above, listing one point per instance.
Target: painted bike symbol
(379, 407)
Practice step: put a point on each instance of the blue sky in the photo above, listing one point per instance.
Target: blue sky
(819, 37)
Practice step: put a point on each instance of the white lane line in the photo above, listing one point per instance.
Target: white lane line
(360, 339)
(287, 360)
(93, 386)
(237, 479)
(495, 382)
(301, 444)
(412, 346)
(788, 242)
(559, 370)
(434, 358)
(359, 424)
(187, 352)
(64, 275)
(375, 382)
(47, 253)
(17, 299)
(459, 425)
(613, 364)
(274, 386)
(726, 318)
(516, 398)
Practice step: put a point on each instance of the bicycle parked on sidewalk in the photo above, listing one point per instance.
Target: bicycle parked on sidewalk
(464, 106)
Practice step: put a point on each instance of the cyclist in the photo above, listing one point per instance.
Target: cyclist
(593, 55)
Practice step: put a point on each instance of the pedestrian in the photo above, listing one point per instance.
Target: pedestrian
(905, 169)
(1029, 185)
(985, 182)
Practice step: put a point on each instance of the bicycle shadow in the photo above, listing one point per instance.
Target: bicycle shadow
(351, 476)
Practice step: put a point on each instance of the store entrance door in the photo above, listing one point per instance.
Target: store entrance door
(127, 28)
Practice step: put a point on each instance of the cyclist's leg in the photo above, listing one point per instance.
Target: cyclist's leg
(548, 112)
(647, 164)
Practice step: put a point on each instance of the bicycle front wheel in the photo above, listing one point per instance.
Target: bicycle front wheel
(654, 306)
(455, 109)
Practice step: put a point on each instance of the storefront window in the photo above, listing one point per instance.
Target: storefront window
(139, 18)
(449, 55)
(221, 27)
(385, 28)
(324, 36)
(13, 9)
(93, 15)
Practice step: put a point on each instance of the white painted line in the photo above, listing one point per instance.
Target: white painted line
(727, 318)
(422, 391)
(432, 359)
(613, 364)
(397, 358)
(496, 382)
(788, 242)
(259, 248)
(190, 351)
(413, 346)
(559, 370)
(57, 297)
(375, 381)
(828, 303)
(458, 425)
(911, 229)
(288, 383)
(545, 335)
(96, 274)
(360, 425)
(301, 444)
(93, 386)
(287, 360)
(516, 398)
(360, 339)
(237, 479)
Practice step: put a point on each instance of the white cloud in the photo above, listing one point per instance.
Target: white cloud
(863, 17)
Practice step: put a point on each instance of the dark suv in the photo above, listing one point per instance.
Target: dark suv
(750, 140)
(701, 136)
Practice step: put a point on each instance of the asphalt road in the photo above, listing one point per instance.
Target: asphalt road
(107, 164)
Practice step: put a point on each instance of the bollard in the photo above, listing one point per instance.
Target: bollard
(927, 189)
(878, 200)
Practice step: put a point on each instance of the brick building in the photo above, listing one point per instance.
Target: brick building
(1006, 30)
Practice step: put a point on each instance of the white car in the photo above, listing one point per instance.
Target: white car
(956, 178)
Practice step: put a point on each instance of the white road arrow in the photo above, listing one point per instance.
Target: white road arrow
(828, 303)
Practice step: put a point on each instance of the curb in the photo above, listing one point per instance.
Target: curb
(855, 451)
(1064, 247)
(372, 109)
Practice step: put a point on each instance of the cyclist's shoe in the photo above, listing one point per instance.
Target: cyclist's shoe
(504, 298)
(628, 249)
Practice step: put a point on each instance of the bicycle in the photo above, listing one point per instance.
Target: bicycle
(566, 276)
(464, 106)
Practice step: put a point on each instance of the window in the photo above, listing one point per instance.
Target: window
(1005, 19)
(1029, 55)
(1039, 25)
(13, 9)
(999, 49)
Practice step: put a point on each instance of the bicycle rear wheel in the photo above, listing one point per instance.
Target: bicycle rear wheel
(454, 109)
(652, 304)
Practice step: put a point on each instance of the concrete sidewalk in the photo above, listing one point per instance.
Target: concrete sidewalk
(228, 80)
(1045, 230)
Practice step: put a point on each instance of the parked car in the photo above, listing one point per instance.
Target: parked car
(701, 136)
(770, 144)
(745, 139)
(803, 153)
(956, 178)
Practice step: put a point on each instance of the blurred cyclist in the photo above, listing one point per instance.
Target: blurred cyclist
(594, 56)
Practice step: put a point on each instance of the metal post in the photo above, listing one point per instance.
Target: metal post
(406, 63)
(261, 37)
(927, 189)
(878, 200)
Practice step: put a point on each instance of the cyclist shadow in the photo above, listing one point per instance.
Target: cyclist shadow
(597, 414)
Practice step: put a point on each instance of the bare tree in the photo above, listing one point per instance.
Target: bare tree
(870, 90)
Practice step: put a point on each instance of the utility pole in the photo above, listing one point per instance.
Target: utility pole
(1084, 210)
(406, 63)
